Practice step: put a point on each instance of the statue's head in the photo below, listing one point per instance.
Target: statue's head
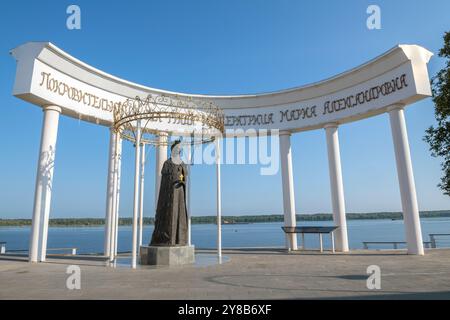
(175, 148)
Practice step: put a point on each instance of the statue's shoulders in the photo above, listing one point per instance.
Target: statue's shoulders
(169, 161)
(167, 166)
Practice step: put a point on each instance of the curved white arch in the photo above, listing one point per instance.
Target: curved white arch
(46, 75)
(49, 77)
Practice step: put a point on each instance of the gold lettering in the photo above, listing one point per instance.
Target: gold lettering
(63, 89)
(44, 76)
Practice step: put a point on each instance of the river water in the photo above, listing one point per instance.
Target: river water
(90, 239)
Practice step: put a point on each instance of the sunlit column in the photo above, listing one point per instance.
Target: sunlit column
(406, 180)
(141, 195)
(44, 180)
(112, 225)
(218, 198)
(136, 194)
(188, 196)
(109, 215)
(337, 186)
(116, 201)
(288, 187)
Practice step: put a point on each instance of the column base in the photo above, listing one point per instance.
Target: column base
(167, 256)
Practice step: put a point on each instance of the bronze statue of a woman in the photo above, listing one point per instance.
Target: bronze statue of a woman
(171, 214)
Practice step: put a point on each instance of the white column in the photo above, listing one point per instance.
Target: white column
(112, 225)
(406, 180)
(161, 157)
(337, 186)
(218, 199)
(44, 180)
(136, 194)
(115, 225)
(141, 195)
(109, 215)
(188, 196)
(287, 180)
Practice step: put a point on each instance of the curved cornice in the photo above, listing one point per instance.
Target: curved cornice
(414, 56)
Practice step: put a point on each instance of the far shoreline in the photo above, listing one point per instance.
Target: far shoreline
(226, 220)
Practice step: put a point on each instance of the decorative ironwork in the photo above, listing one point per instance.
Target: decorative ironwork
(198, 121)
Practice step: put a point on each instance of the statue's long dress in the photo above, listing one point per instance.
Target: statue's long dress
(171, 214)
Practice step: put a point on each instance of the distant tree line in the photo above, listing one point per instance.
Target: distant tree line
(85, 222)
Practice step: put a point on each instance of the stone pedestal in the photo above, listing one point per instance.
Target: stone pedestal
(166, 256)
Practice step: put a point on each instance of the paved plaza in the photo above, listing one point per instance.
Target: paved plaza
(244, 274)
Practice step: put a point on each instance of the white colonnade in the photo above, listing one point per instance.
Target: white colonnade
(138, 204)
(113, 196)
(109, 192)
(337, 187)
(46, 73)
(218, 198)
(39, 229)
(44, 181)
(287, 180)
(137, 161)
(189, 150)
(117, 194)
(141, 195)
(405, 175)
(413, 233)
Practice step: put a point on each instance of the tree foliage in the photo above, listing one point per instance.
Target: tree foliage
(439, 137)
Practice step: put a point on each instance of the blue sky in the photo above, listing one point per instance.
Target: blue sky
(219, 47)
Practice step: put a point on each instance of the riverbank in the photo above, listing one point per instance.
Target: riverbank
(95, 222)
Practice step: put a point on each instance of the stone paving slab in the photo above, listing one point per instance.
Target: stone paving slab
(259, 274)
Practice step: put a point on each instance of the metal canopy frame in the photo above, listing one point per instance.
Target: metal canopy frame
(198, 121)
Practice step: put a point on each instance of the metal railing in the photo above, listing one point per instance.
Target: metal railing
(73, 250)
(433, 238)
(395, 244)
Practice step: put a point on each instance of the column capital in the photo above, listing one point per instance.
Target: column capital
(162, 134)
(285, 133)
(398, 106)
(51, 107)
(331, 125)
(163, 137)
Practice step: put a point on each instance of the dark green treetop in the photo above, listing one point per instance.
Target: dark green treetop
(439, 137)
